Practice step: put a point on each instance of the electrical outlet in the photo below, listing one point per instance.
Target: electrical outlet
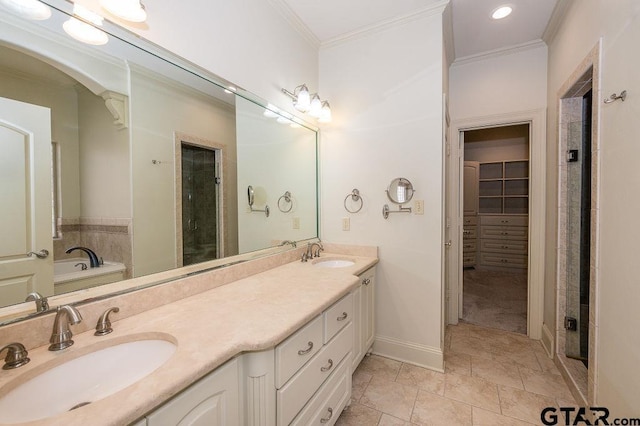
(296, 223)
(346, 223)
(419, 206)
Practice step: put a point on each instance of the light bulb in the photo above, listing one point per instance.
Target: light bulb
(316, 106)
(130, 10)
(325, 113)
(303, 100)
(30, 9)
(501, 12)
(82, 31)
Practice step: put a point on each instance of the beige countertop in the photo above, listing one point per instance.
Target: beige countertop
(209, 328)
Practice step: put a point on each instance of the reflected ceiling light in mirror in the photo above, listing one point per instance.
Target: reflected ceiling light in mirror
(501, 12)
(79, 28)
(271, 111)
(230, 90)
(284, 118)
(305, 102)
(129, 10)
(29, 9)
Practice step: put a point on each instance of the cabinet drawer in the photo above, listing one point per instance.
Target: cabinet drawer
(504, 260)
(504, 246)
(469, 246)
(469, 220)
(469, 260)
(330, 400)
(299, 348)
(337, 316)
(504, 232)
(469, 232)
(292, 397)
(504, 220)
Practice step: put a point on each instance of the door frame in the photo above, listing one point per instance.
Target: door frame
(537, 183)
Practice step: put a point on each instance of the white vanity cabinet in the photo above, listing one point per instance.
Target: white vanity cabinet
(364, 316)
(211, 401)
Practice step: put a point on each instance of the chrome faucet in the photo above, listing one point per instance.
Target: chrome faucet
(93, 258)
(61, 335)
(16, 356)
(285, 242)
(42, 304)
(310, 253)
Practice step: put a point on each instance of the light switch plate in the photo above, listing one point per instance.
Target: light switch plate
(296, 223)
(419, 207)
(346, 223)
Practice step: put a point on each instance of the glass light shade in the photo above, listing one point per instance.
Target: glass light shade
(30, 9)
(501, 12)
(130, 10)
(81, 30)
(316, 106)
(303, 100)
(325, 113)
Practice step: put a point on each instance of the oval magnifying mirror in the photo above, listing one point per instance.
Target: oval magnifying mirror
(400, 191)
(250, 195)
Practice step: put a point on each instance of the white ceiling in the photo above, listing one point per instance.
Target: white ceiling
(474, 31)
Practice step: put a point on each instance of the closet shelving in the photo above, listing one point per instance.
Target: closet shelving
(504, 187)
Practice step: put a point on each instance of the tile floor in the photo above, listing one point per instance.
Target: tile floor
(492, 378)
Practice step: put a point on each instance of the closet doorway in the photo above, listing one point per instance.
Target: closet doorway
(495, 196)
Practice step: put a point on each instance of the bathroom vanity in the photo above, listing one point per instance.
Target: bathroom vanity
(276, 347)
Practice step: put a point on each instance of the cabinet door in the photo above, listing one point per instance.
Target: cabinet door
(368, 308)
(358, 347)
(212, 401)
(470, 187)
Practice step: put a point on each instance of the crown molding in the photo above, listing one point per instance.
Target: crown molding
(530, 45)
(557, 17)
(296, 23)
(434, 9)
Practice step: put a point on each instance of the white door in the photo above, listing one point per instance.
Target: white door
(25, 200)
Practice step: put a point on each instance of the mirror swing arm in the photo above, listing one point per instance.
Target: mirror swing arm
(250, 196)
(400, 191)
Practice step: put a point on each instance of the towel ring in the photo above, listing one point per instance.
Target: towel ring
(355, 196)
(287, 200)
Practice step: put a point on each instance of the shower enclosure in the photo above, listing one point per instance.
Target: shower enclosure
(578, 231)
(200, 204)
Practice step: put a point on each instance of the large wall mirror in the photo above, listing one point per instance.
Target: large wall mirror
(129, 152)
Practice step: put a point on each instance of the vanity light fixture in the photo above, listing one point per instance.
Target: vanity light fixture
(501, 12)
(80, 28)
(29, 9)
(303, 101)
(129, 10)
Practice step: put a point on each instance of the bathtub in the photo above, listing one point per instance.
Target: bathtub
(68, 277)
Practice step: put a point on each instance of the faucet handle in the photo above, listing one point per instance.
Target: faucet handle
(16, 356)
(103, 327)
(42, 303)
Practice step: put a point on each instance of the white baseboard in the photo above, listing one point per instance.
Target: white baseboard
(412, 353)
(548, 340)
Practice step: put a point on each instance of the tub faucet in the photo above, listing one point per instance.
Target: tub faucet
(93, 258)
(61, 335)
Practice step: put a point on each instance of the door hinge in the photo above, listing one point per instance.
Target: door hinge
(218, 180)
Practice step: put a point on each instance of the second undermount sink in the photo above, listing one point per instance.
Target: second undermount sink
(333, 263)
(83, 380)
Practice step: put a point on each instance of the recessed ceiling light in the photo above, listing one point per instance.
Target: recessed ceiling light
(30, 9)
(501, 12)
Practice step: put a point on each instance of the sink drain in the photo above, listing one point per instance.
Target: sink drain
(82, 404)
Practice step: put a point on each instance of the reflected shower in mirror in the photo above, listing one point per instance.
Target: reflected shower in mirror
(144, 162)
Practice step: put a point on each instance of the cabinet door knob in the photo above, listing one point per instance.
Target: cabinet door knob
(306, 351)
(326, 419)
(343, 316)
(366, 281)
(328, 367)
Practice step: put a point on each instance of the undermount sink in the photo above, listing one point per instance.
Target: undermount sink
(83, 380)
(333, 263)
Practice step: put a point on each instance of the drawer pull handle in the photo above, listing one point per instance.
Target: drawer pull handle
(343, 316)
(324, 369)
(326, 419)
(505, 233)
(306, 351)
(366, 281)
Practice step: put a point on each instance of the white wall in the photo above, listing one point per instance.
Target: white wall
(618, 340)
(386, 92)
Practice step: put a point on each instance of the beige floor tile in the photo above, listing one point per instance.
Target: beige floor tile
(487, 418)
(546, 363)
(544, 383)
(472, 390)
(360, 380)
(496, 372)
(519, 354)
(434, 410)
(390, 397)
(379, 366)
(419, 377)
(456, 363)
(387, 420)
(471, 346)
(523, 405)
(358, 415)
